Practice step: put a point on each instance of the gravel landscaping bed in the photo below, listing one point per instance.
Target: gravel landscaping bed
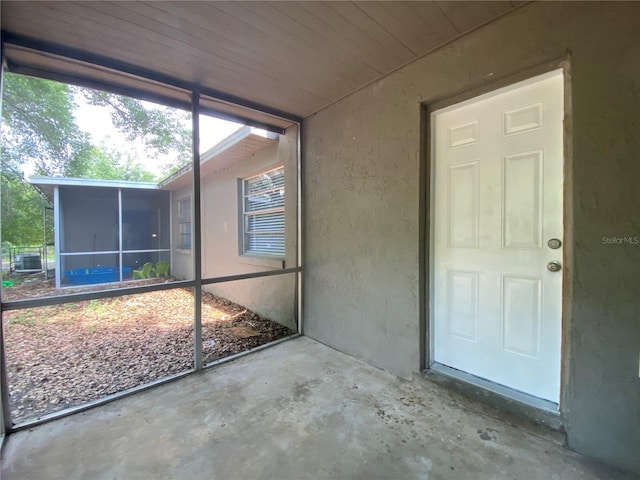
(66, 355)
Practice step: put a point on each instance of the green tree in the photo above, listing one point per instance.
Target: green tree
(40, 135)
(114, 165)
(39, 127)
(21, 210)
(163, 130)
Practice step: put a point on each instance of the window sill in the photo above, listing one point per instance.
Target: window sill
(267, 262)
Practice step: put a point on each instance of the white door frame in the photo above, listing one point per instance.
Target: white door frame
(428, 220)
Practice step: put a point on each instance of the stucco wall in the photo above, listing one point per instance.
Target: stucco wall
(273, 297)
(361, 171)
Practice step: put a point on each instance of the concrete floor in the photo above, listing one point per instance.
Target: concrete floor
(296, 410)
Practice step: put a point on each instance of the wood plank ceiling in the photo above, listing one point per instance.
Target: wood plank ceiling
(296, 57)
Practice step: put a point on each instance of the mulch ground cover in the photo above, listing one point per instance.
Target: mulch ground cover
(66, 355)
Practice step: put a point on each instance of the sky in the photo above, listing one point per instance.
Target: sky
(96, 121)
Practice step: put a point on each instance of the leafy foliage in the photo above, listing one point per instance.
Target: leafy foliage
(161, 129)
(113, 165)
(39, 126)
(21, 211)
(40, 135)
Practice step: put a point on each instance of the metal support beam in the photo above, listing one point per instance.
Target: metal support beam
(57, 235)
(247, 276)
(93, 295)
(86, 57)
(5, 417)
(300, 234)
(44, 240)
(120, 234)
(196, 224)
(82, 81)
(138, 93)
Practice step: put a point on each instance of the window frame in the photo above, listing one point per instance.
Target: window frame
(244, 215)
(184, 219)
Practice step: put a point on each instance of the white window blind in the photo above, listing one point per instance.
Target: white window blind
(263, 212)
(184, 220)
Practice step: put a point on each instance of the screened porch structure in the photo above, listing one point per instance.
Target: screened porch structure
(105, 230)
(353, 88)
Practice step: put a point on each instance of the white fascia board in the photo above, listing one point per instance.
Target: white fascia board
(226, 144)
(89, 182)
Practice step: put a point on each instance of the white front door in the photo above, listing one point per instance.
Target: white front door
(497, 306)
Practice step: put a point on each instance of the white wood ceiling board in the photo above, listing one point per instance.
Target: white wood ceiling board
(295, 57)
(336, 76)
(418, 29)
(467, 15)
(213, 41)
(183, 58)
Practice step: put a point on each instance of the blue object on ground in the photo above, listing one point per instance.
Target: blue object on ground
(90, 276)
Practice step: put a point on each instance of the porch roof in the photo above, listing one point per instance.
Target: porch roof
(270, 63)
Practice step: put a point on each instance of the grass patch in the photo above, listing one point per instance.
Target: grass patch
(25, 318)
(99, 307)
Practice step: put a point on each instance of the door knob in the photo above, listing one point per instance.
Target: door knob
(554, 243)
(554, 266)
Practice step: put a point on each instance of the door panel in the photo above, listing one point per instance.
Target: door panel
(497, 309)
(463, 205)
(522, 200)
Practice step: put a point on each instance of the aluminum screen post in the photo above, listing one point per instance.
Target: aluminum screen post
(120, 235)
(196, 239)
(5, 417)
(57, 235)
(299, 233)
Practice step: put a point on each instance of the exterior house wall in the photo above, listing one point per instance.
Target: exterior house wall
(272, 297)
(181, 259)
(362, 201)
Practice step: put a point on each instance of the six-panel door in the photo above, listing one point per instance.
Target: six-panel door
(497, 203)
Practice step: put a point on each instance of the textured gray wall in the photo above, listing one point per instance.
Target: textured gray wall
(361, 171)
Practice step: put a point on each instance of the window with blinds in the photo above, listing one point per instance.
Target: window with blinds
(263, 214)
(184, 223)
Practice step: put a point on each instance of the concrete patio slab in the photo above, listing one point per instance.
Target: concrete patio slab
(294, 411)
